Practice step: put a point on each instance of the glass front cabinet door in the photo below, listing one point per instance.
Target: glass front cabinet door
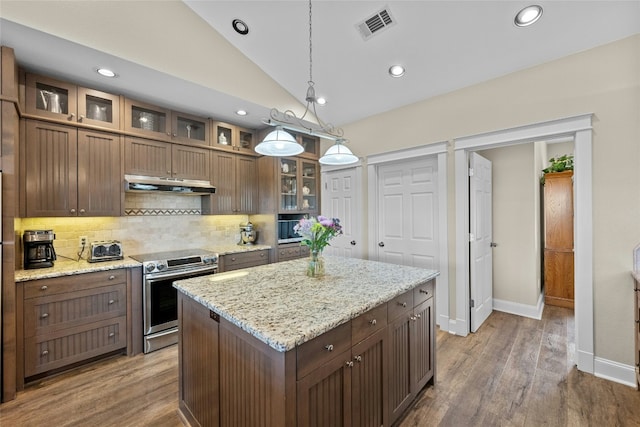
(54, 99)
(190, 129)
(299, 185)
(230, 137)
(147, 120)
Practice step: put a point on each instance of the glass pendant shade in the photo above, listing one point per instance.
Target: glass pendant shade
(279, 143)
(338, 154)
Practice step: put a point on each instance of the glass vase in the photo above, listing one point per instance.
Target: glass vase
(315, 267)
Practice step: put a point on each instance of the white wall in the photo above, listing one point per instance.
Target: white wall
(604, 81)
(515, 222)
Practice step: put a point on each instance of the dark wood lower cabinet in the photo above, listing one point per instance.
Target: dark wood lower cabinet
(364, 373)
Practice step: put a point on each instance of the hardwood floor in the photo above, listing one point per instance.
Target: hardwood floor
(513, 372)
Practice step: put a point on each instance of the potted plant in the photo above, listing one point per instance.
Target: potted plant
(558, 164)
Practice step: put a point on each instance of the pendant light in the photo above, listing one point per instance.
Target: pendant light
(281, 143)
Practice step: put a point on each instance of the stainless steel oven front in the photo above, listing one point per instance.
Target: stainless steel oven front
(160, 298)
(161, 307)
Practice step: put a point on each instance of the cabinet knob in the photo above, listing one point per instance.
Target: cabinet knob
(373, 322)
(262, 254)
(329, 347)
(424, 291)
(349, 364)
(111, 302)
(353, 243)
(418, 316)
(112, 334)
(73, 211)
(404, 304)
(82, 211)
(44, 315)
(168, 172)
(233, 259)
(414, 318)
(174, 135)
(358, 358)
(44, 288)
(71, 116)
(112, 277)
(168, 133)
(80, 118)
(45, 352)
(381, 244)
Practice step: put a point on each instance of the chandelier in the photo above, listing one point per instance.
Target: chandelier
(280, 143)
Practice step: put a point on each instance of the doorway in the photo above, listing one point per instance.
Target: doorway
(579, 129)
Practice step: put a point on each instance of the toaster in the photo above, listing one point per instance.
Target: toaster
(106, 250)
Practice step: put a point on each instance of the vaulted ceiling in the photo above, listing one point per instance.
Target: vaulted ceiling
(444, 45)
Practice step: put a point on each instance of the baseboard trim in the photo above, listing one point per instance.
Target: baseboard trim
(616, 372)
(443, 322)
(524, 310)
(458, 327)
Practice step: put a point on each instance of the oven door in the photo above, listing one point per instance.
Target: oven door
(161, 298)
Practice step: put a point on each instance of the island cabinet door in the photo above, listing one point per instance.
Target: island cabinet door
(423, 330)
(324, 395)
(400, 395)
(369, 382)
(198, 360)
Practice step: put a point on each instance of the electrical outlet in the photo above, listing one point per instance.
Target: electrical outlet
(83, 241)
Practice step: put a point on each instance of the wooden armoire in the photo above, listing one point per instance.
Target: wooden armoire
(558, 239)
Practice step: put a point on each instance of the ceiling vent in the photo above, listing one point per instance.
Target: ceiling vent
(376, 23)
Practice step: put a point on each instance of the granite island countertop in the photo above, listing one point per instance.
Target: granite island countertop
(278, 304)
(68, 267)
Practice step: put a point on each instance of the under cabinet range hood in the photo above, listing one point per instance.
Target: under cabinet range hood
(153, 184)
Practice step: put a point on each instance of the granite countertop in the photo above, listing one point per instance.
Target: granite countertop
(67, 267)
(281, 306)
(233, 249)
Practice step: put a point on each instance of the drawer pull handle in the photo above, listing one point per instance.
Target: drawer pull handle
(45, 352)
(329, 347)
(112, 277)
(44, 288)
(373, 322)
(424, 291)
(112, 334)
(44, 315)
(358, 358)
(404, 304)
(111, 302)
(349, 364)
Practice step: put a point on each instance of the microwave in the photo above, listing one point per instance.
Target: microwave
(286, 234)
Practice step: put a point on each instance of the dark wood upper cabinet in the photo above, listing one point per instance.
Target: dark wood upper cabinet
(235, 179)
(65, 102)
(71, 172)
(166, 160)
(228, 137)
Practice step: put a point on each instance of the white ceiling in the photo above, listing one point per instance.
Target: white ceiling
(445, 45)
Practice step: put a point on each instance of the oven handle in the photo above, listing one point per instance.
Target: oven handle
(173, 274)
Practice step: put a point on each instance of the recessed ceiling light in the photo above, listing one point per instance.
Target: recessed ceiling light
(396, 70)
(240, 26)
(528, 15)
(105, 72)
(241, 112)
(321, 101)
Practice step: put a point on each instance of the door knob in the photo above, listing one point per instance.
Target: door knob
(353, 243)
(381, 244)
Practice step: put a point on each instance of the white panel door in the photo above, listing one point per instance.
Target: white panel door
(480, 238)
(340, 200)
(408, 213)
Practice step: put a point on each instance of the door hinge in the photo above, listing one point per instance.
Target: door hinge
(471, 172)
(472, 303)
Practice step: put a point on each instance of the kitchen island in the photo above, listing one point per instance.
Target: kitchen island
(270, 346)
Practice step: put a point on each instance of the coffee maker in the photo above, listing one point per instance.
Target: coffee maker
(247, 234)
(38, 248)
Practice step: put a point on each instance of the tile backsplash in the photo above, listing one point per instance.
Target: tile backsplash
(141, 234)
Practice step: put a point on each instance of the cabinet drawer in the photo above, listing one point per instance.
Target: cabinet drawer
(286, 254)
(401, 304)
(368, 323)
(423, 292)
(51, 313)
(322, 349)
(73, 345)
(245, 260)
(58, 285)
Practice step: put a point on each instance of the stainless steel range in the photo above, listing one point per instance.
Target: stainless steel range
(160, 298)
